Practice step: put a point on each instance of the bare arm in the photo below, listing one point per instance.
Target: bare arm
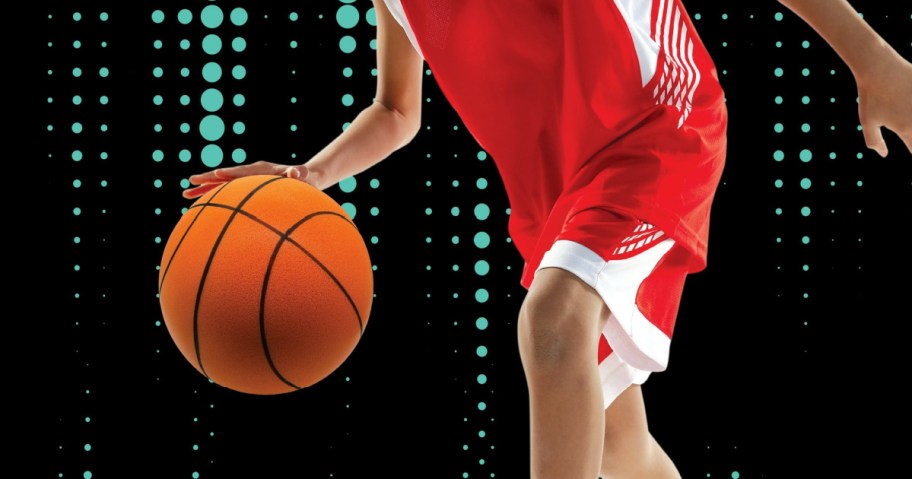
(884, 78)
(389, 123)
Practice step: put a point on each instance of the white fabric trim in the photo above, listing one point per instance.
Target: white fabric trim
(617, 376)
(395, 8)
(636, 340)
(638, 15)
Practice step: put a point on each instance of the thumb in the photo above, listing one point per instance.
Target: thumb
(874, 137)
(296, 172)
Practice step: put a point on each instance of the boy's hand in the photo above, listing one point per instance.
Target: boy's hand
(885, 99)
(212, 179)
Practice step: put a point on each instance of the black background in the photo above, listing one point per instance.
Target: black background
(762, 381)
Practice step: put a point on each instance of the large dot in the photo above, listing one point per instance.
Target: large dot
(482, 240)
(239, 128)
(212, 100)
(239, 72)
(348, 184)
(482, 211)
(212, 44)
(239, 100)
(212, 156)
(482, 267)
(212, 127)
(481, 295)
(806, 183)
(805, 211)
(212, 72)
(778, 155)
(347, 16)
(185, 16)
(239, 44)
(158, 16)
(239, 16)
(212, 16)
(481, 323)
(806, 155)
(348, 99)
(350, 209)
(481, 351)
(347, 44)
(238, 155)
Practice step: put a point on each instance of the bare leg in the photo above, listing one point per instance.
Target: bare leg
(559, 325)
(630, 450)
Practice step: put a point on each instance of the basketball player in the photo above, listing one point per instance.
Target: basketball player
(608, 125)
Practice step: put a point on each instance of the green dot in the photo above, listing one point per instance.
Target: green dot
(195, 475)
(454, 211)
(481, 323)
(87, 475)
(481, 183)
(158, 155)
(481, 267)
(185, 155)
(157, 72)
(481, 295)
(77, 211)
(347, 72)
(806, 100)
(103, 16)
(239, 100)
(239, 155)
(806, 239)
(778, 44)
(482, 379)
(157, 44)
(374, 211)
(859, 184)
(805, 211)
(293, 44)
(185, 16)
(185, 44)
(212, 44)
(482, 406)
(778, 211)
(347, 44)
(778, 128)
(428, 211)
(806, 156)
(779, 72)
(239, 72)
(239, 44)
(806, 183)
(77, 100)
(239, 16)
(347, 16)
(778, 183)
(778, 100)
(158, 16)
(481, 351)
(158, 100)
(482, 240)
(374, 183)
(482, 211)
(77, 127)
(77, 240)
(77, 183)
(212, 156)
(212, 127)
(77, 72)
(348, 185)
(185, 128)
(482, 156)
(293, 16)
(805, 71)
(778, 16)
(212, 100)
(778, 155)
(805, 128)
(350, 210)
(157, 183)
(239, 128)
(348, 100)
(455, 240)
(212, 16)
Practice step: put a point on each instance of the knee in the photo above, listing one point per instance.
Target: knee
(553, 331)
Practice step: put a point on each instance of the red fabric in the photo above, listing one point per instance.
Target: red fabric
(552, 89)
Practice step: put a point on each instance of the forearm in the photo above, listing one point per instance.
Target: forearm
(859, 46)
(372, 136)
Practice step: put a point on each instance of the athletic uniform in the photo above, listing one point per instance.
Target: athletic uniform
(608, 124)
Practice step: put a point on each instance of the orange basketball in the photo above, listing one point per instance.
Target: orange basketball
(265, 285)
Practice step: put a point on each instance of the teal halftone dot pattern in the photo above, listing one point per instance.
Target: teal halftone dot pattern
(349, 184)
(184, 16)
(212, 156)
(239, 17)
(212, 100)
(212, 44)
(212, 16)
(212, 128)
(347, 16)
(347, 44)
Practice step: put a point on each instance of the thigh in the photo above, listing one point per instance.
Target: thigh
(560, 303)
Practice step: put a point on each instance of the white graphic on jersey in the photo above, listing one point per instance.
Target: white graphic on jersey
(638, 15)
(680, 75)
(643, 235)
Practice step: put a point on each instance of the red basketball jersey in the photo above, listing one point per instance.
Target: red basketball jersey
(613, 105)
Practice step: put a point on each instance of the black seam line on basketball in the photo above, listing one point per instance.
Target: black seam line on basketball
(199, 293)
(275, 370)
(179, 243)
(283, 238)
(302, 248)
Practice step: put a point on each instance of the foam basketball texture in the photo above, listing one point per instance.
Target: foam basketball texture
(265, 285)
